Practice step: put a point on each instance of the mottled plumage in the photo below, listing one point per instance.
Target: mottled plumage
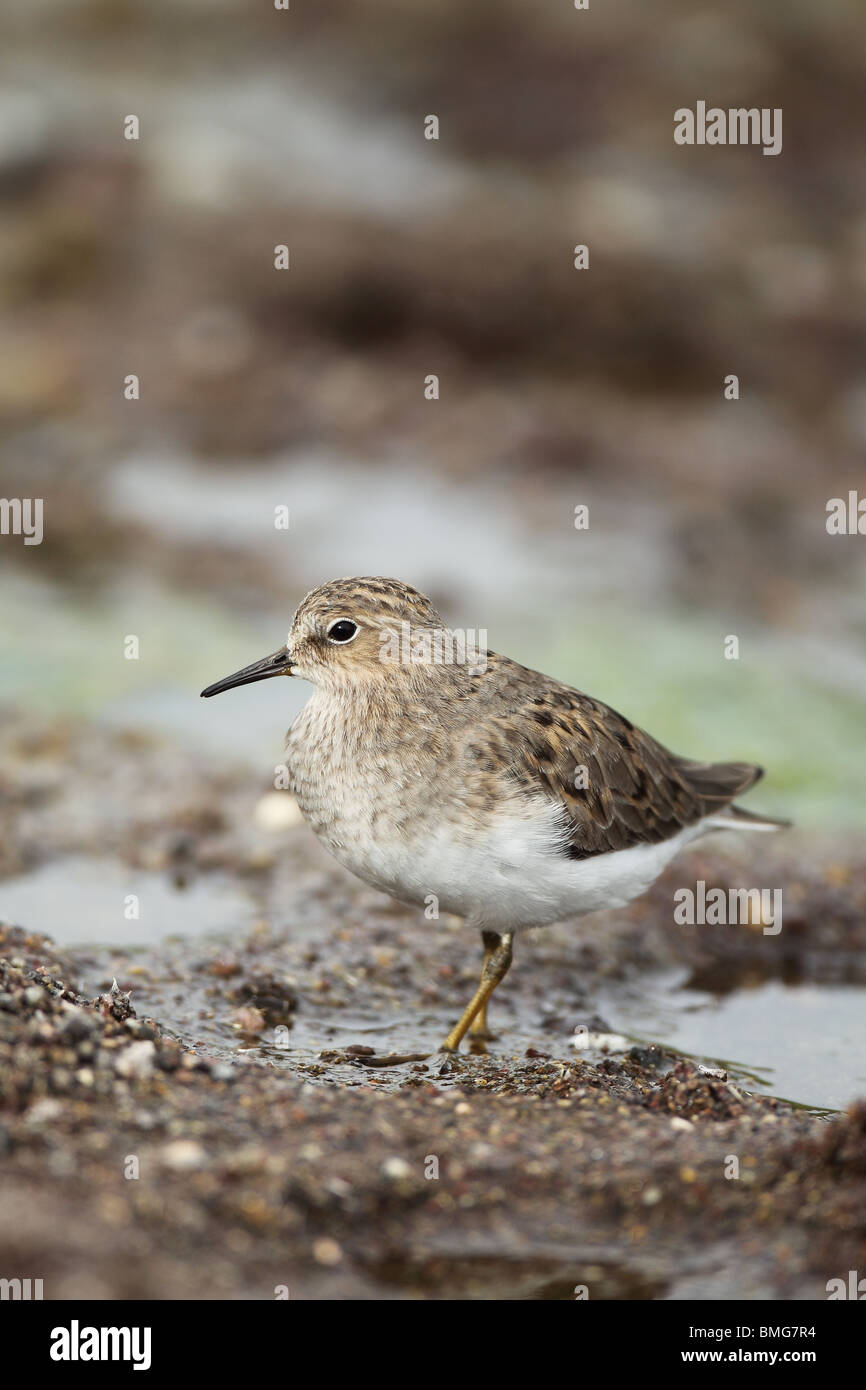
(617, 784)
(513, 798)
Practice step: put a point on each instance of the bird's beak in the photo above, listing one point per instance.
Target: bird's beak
(277, 664)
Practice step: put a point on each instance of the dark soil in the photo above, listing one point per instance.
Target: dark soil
(243, 1138)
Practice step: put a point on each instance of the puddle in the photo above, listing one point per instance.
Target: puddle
(510, 1275)
(278, 130)
(805, 1043)
(80, 901)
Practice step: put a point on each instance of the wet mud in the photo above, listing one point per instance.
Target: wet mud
(206, 1114)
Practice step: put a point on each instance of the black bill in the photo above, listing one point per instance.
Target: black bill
(277, 664)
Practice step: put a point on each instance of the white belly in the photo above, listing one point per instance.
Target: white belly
(512, 877)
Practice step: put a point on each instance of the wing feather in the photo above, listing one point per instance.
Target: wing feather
(618, 786)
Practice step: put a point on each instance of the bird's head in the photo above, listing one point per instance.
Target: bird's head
(347, 632)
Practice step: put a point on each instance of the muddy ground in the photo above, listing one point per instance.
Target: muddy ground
(204, 1118)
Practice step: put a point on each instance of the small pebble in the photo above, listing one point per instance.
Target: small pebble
(396, 1168)
(327, 1252)
(183, 1155)
(44, 1111)
(139, 1059)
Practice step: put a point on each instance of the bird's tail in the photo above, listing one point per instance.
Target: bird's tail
(735, 818)
(717, 784)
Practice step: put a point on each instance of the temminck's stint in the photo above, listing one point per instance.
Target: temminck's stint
(513, 798)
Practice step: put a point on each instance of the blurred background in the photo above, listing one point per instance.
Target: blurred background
(410, 257)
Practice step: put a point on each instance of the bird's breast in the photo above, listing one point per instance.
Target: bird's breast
(359, 789)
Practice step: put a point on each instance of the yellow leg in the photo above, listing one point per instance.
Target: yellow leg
(496, 962)
(479, 1033)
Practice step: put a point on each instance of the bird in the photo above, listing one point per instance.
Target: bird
(438, 771)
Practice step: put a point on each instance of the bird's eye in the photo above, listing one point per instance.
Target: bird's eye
(342, 631)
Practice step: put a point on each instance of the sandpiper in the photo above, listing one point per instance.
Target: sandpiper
(514, 799)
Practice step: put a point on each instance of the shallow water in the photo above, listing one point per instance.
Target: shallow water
(81, 901)
(804, 1043)
(756, 1035)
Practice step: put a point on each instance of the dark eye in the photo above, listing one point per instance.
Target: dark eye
(342, 631)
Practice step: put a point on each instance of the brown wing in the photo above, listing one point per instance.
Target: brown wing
(618, 786)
